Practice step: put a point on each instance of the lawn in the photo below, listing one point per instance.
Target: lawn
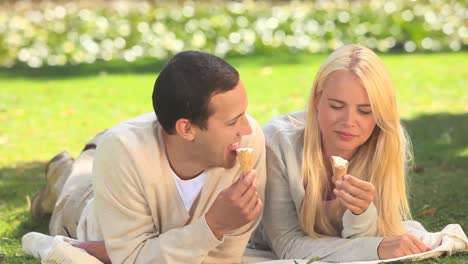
(45, 111)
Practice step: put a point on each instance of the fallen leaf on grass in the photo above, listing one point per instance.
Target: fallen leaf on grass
(3, 140)
(430, 211)
(266, 70)
(296, 95)
(418, 169)
(69, 112)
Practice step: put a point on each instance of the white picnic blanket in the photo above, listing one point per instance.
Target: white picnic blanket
(449, 240)
(58, 250)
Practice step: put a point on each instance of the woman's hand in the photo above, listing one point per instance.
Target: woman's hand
(334, 211)
(354, 194)
(398, 246)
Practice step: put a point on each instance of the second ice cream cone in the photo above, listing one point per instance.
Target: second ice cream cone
(340, 167)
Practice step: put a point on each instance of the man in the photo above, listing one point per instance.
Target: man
(166, 188)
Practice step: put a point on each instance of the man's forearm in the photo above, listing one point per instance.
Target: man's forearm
(96, 249)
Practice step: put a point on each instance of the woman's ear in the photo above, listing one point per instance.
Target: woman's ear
(185, 129)
(317, 101)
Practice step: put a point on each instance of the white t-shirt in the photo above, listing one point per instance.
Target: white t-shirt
(189, 189)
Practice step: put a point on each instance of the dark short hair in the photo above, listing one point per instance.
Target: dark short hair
(185, 85)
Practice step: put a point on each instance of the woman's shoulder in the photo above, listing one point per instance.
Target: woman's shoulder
(285, 124)
(286, 129)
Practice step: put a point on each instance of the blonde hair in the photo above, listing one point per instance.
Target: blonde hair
(381, 160)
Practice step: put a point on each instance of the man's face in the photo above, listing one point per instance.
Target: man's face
(225, 128)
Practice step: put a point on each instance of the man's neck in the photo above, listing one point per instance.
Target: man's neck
(181, 159)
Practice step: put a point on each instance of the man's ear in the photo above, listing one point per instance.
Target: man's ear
(185, 129)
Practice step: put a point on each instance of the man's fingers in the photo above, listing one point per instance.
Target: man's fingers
(256, 210)
(252, 202)
(254, 182)
(243, 183)
(247, 195)
(253, 186)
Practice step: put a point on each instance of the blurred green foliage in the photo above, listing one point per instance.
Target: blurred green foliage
(59, 33)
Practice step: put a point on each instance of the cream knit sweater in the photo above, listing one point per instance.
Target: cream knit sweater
(139, 211)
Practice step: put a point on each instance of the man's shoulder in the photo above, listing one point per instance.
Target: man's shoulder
(144, 120)
(133, 130)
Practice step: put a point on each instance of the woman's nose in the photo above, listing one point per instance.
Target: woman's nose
(349, 117)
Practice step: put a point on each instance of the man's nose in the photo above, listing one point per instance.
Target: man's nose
(246, 129)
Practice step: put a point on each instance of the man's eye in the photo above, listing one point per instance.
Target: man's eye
(232, 123)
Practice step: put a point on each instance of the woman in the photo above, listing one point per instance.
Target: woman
(352, 113)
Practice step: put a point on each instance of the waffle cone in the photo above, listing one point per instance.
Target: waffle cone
(338, 170)
(246, 159)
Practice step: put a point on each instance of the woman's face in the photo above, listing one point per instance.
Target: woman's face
(344, 114)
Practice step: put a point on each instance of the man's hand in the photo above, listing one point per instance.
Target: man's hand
(96, 249)
(235, 206)
(354, 194)
(398, 246)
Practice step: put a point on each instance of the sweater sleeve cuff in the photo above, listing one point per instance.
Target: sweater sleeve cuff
(360, 225)
(203, 236)
(371, 246)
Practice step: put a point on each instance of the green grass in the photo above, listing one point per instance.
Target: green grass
(44, 111)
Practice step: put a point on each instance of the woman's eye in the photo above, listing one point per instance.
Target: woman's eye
(364, 112)
(336, 107)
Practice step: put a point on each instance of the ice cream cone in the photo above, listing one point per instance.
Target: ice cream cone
(339, 166)
(246, 158)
